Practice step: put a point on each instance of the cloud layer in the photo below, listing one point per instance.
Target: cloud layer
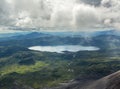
(60, 13)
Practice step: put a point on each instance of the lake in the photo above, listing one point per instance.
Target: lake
(62, 48)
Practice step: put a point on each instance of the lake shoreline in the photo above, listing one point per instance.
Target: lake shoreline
(63, 48)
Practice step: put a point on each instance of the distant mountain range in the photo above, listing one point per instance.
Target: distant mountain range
(85, 34)
(61, 34)
(103, 39)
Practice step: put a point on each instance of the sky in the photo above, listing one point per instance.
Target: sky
(75, 14)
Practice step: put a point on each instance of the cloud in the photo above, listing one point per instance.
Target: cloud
(112, 11)
(86, 15)
(60, 13)
(4, 12)
(91, 2)
(7, 30)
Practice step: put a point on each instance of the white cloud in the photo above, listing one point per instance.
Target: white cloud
(86, 15)
(60, 13)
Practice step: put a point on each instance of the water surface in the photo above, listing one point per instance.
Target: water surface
(62, 48)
